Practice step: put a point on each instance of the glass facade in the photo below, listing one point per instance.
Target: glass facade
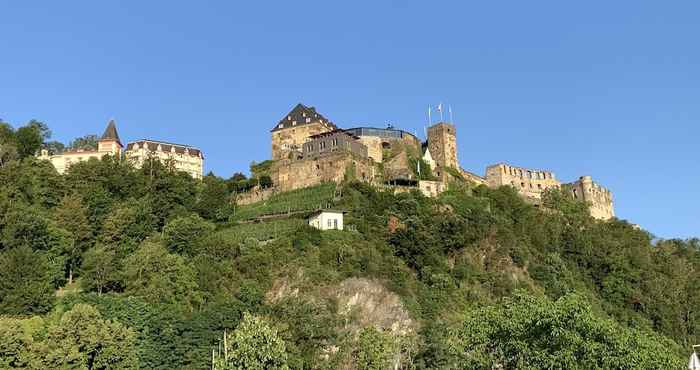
(378, 132)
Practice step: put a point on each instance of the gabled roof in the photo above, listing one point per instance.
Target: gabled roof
(111, 132)
(302, 115)
(152, 146)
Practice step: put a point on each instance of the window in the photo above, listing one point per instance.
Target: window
(539, 186)
(335, 224)
(522, 184)
(330, 223)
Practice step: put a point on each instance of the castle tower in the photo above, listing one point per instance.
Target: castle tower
(442, 144)
(109, 142)
(599, 199)
(292, 131)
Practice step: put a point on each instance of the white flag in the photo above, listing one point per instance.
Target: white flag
(439, 108)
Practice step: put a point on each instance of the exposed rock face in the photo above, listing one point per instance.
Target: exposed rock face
(368, 302)
(361, 302)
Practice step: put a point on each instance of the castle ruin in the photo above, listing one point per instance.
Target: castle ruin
(309, 149)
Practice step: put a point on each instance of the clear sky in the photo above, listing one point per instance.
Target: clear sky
(606, 88)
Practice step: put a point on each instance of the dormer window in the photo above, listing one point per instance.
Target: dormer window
(308, 120)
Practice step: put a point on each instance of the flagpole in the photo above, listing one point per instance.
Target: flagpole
(430, 120)
(440, 109)
(449, 107)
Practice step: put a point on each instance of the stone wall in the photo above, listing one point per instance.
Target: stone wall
(431, 188)
(254, 195)
(442, 143)
(374, 147)
(332, 142)
(598, 198)
(292, 138)
(528, 182)
(295, 174)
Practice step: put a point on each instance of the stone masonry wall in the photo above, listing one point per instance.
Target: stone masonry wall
(295, 174)
(528, 182)
(442, 143)
(292, 138)
(598, 198)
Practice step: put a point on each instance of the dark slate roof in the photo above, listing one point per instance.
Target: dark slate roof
(152, 145)
(111, 132)
(302, 115)
(333, 133)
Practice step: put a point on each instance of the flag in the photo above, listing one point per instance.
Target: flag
(439, 108)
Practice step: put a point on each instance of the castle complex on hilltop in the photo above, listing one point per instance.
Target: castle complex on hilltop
(308, 149)
(182, 157)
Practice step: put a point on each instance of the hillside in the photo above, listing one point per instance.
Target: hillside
(476, 278)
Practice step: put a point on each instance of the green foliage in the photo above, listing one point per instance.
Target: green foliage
(254, 345)
(87, 142)
(258, 170)
(25, 285)
(375, 349)
(527, 332)
(297, 200)
(159, 277)
(266, 181)
(180, 234)
(214, 202)
(100, 269)
(143, 240)
(81, 339)
(29, 138)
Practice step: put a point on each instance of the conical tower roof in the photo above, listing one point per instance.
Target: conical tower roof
(111, 133)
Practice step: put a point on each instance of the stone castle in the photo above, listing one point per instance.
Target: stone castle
(183, 158)
(308, 149)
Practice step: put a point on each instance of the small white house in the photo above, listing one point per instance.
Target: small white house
(327, 220)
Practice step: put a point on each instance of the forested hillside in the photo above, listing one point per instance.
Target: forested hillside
(112, 267)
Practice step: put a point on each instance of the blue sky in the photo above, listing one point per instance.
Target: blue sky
(606, 88)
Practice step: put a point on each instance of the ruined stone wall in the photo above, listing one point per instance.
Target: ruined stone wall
(431, 188)
(442, 143)
(292, 138)
(374, 147)
(478, 180)
(528, 182)
(599, 199)
(295, 174)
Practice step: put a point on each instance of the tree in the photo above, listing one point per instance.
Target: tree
(126, 226)
(24, 285)
(71, 216)
(54, 147)
(526, 332)
(375, 349)
(214, 199)
(254, 345)
(265, 182)
(87, 142)
(83, 340)
(159, 277)
(99, 269)
(8, 144)
(30, 138)
(25, 226)
(181, 233)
